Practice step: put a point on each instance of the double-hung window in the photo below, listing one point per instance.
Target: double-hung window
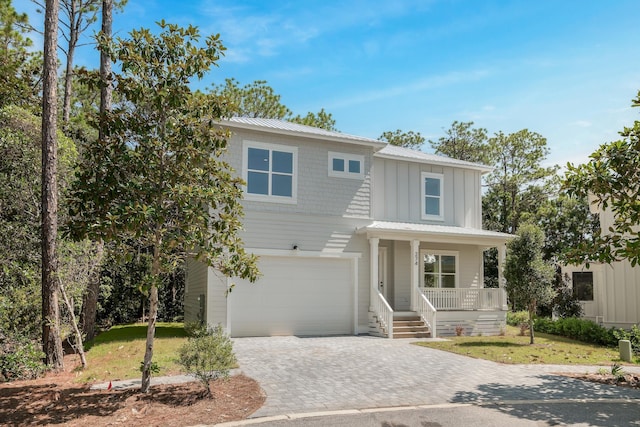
(439, 269)
(431, 189)
(270, 172)
(342, 165)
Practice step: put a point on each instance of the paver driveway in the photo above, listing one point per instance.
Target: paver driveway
(331, 373)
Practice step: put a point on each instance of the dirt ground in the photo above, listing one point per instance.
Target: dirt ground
(56, 399)
(626, 380)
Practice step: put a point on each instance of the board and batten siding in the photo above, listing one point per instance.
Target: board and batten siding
(196, 287)
(317, 192)
(470, 269)
(267, 230)
(397, 193)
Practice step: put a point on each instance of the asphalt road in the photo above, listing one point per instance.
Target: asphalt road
(609, 413)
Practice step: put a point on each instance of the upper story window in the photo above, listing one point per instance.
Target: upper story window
(343, 165)
(432, 196)
(439, 269)
(270, 172)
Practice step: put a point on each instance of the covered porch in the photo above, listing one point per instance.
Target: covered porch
(434, 272)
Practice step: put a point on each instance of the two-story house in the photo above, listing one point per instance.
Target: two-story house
(353, 235)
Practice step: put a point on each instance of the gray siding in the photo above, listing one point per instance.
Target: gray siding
(217, 298)
(318, 194)
(195, 287)
(397, 193)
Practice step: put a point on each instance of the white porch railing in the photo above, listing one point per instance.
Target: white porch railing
(426, 310)
(467, 298)
(384, 312)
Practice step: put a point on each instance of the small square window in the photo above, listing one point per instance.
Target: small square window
(343, 165)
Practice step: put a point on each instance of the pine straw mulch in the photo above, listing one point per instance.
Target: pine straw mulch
(56, 399)
(624, 380)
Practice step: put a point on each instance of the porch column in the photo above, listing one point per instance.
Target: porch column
(373, 269)
(415, 269)
(502, 255)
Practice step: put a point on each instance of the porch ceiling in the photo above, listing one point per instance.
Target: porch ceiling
(435, 233)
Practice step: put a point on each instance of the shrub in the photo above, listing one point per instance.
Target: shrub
(20, 359)
(516, 318)
(632, 335)
(577, 329)
(208, 356)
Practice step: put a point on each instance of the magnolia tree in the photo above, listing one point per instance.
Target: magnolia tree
(611, 179)
(156, 176)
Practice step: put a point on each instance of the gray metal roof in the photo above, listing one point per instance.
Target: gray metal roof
(282, 126)
(395, 152)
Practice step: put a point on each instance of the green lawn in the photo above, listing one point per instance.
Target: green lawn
(116, 354)
(512, 348)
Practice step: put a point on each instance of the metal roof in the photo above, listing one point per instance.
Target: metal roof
(395, 152)
(282, 126)
(443, 233)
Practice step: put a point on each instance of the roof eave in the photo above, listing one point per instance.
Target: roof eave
(355, 141)
(482, 169)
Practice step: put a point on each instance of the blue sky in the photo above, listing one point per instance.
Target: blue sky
(565, 69)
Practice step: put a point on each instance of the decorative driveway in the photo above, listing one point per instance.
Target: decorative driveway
(333, 373)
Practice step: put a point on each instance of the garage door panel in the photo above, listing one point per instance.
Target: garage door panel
(295, 296)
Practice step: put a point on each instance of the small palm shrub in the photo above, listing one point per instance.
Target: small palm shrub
(208, 355)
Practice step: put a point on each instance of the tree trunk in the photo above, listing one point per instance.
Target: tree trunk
(532, 311)
(51, 341)
(68, 75)
(153, 314)
(74, 323)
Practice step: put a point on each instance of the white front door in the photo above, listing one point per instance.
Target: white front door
(382, 272)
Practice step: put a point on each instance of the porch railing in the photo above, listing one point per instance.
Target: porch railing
(426, 310)
(467, 298)
(384, 312)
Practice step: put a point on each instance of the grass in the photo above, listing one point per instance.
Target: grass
(512, 348)
(117, 353)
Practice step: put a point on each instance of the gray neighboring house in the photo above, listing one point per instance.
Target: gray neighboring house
(354, 236)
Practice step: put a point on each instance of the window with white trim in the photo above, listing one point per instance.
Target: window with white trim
(431, 190)
(342, 165)
(270, 172)
(439, 269)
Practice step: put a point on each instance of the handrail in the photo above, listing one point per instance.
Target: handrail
(426, 310)
(467, 298)
(384, 312)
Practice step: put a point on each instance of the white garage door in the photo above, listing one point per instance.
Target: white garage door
(294, 296)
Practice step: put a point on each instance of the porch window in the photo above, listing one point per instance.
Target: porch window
(270, 172)
(432, 196)
(439, 270)
(583, 285)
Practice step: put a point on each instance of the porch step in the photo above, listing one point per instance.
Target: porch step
(409, 325)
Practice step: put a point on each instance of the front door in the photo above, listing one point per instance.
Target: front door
(382, 272)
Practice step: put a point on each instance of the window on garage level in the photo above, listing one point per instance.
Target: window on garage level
(439, 269)
(270, 172)
(342, 165)
(583, 285)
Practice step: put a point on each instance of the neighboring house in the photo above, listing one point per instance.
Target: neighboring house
(354, 236)
(609, 294)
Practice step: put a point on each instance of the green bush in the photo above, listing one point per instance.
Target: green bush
(578, 329)
(20, 359)
(208, 356)
(516, 318)
(632, 335)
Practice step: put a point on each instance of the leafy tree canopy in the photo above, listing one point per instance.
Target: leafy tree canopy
(611, 179)
(529, 277)
(463, 142)
(410, 139)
